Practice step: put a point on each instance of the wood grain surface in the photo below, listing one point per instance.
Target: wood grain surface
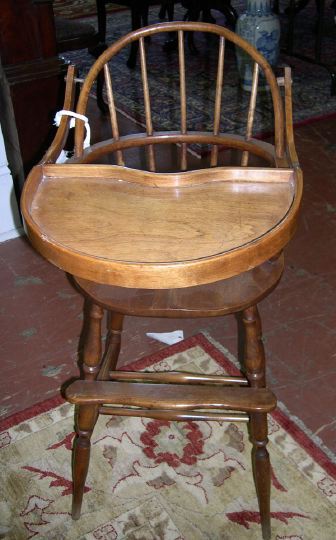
(128, 222)
(130, 228)
(171, 396)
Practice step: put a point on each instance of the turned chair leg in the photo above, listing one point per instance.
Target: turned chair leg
(87, 414)
(254, 359)
(92, 349)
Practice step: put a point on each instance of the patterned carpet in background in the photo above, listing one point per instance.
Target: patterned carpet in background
(311, 84)
(154, 479)
(74, 9)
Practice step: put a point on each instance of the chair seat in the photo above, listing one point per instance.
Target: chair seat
(213, 299)
(129, 228)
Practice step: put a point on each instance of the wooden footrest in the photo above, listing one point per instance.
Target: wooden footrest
(170, 396)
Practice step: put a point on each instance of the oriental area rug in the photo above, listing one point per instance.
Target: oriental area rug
(311, 83)
(152, 479)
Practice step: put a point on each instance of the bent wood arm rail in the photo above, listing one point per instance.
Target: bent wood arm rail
(289, 121)
(291, 154)
(61, 135)
(259, 148)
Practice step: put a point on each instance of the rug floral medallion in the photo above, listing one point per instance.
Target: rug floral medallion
(151, 479)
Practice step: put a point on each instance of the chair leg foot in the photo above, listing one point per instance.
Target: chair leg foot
(266, 531)
(261, 470)
(81, 460)
(76, 510)
(86, 420)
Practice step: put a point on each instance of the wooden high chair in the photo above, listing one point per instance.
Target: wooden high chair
(185, 244)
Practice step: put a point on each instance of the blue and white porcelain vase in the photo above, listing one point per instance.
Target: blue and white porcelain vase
(261, 27)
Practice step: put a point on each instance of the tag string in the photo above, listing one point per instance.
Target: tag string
(74, 115)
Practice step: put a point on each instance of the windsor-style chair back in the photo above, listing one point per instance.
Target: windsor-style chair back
(182, 244)
(152, 137)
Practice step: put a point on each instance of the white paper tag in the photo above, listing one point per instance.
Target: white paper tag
(167, 337)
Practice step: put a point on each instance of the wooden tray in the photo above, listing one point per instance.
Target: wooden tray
(131, 228)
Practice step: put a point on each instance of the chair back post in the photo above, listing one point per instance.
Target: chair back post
(182, 27)
(62, 132)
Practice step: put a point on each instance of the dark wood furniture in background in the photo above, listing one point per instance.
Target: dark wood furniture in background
(139, 16)
(31, 40)
(197, 7)
(35, 75)
(186, 244)
(72, 35)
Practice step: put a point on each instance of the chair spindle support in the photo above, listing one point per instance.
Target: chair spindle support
(218, 99)
(251, 112)
(113, 112)
(148, 115)
(182, 97)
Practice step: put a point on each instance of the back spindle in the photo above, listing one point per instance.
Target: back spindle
(113, 112)
(183, 98)
(148, 115)
(251, 111)
(218, 99)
